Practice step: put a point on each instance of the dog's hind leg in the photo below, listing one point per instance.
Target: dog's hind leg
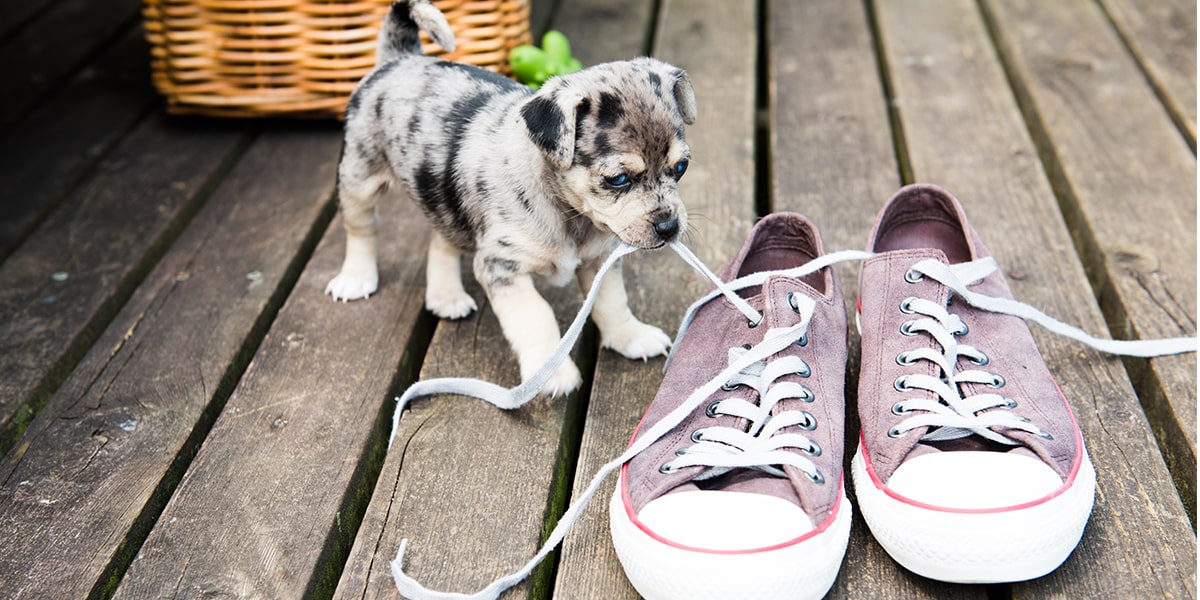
(359, 277)
(444, 293)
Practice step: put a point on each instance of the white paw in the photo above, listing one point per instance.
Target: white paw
(352, 284)
(637, 340)
(449, 304)
(564, 381)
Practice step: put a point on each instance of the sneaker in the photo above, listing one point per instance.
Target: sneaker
(744, 495)
(971, 467)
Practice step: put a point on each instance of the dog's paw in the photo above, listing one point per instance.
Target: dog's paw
(450, 305)
(564, 381)
(352, 285)
(637, 340)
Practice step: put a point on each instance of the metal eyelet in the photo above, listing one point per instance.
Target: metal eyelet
(810, 422)
(791, 300)
(803, 341)
(895, 432)
(667, 469)
(753, 324)
(906, 305)
(711, 411)
(808, 396)
(812, 450)
(913, 276)
(1045, 435)
(805, 372)
(904, 360)
(983, 360)
(997, 382)
(728, 387)
(697, 436)
(1009, 403)
(964, 331)
(900, 384)
(816, 478)
(906, 328)
(898, 409)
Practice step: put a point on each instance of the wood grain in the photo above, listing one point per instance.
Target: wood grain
(110, 445)
(1113, 155)
(70, 277)
(719, 193)
(47, 153)
(964, 130)
(1162, 36)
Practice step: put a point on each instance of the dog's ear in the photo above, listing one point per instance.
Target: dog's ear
(549, 118)
(685, 96)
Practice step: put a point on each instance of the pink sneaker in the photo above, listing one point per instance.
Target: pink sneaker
(971, 467)
(745, 497)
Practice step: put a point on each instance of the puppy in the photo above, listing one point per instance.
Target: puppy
(535, 184)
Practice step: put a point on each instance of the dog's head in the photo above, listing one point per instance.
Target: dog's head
(615, 133)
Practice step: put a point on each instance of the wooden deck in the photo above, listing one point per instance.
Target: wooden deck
(184, 414)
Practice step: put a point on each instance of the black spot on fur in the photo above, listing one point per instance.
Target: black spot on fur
(610, 110)
(601, 144)
(655, 81)
(545, 123)
(523, 198)
(380, 102)
(499, 271)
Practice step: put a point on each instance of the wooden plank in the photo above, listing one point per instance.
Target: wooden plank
(13, 15)
(269, 505)
(1112, 154)
(48, 49)
(716, 42)
(963, 129)
(47, 154)
(826, 93)
(103, 456)
(1162, 35)
(70, 277)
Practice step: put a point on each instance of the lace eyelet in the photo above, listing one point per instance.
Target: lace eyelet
(963, 331)
(728, 387)
(1009, 403)
(711, 411)
(1045, 435)
(906, 305)
(904, 360)
(697, 436)
(812, 450)
(803, 341)
(816, 478)
(898, 409)
(906, 328)
(681, 452)
(913, 276)
(753, 324)
(805, 372)
(997, 382)
(791, 300)
(810, 422)
(667, 469)
(895, 432)
(808, 396)
(981, 361)
(900, 384)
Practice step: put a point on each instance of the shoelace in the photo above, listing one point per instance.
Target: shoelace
(773, 342)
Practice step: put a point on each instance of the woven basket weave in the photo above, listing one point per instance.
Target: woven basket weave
(255, 58)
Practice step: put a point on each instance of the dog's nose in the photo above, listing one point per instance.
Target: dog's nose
(667, 228)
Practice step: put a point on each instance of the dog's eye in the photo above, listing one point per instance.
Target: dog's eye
(681, 168)
(617, 181)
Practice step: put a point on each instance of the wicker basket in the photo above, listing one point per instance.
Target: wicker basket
(254, 58)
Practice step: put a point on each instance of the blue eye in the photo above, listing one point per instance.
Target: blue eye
(617, 181)
(681, 168)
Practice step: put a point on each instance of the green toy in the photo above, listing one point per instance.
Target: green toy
(533, 66)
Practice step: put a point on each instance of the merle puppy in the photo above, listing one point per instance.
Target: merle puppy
(532, 183)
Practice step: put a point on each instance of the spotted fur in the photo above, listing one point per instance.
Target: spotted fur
(532, 183)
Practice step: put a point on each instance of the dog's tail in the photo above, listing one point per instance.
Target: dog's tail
(400, 33)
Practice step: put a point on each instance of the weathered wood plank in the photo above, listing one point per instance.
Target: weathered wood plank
(268, 505)
(47, 153)
(1112, 155)
(42, 53)
(70, 277)
(111, 444)
(1162, 35)
(13, 15)
(964, 130)
(716, 42)
(833, 159)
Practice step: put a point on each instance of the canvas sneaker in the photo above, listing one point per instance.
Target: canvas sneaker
(971, 467)
(743, 496)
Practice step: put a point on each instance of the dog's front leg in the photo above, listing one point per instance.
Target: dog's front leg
(619, 329)
(529, 324)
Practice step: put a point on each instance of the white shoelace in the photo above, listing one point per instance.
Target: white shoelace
(774, 341)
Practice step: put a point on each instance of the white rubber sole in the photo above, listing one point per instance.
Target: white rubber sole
(977, 546)
(803, 569)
